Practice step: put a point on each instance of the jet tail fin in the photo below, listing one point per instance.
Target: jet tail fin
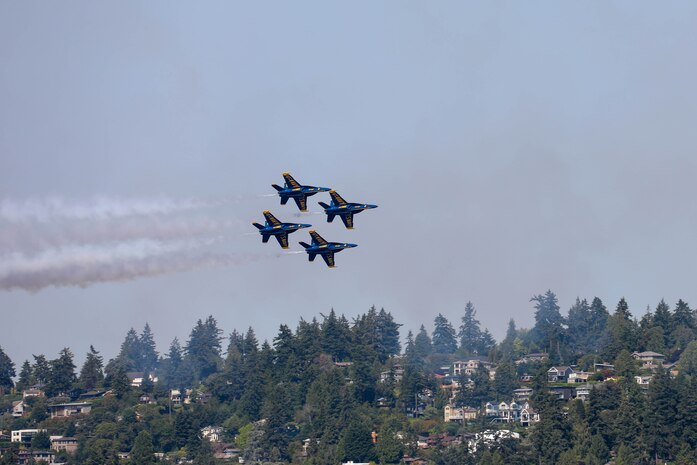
(324, 205)
(307, 246)
(258, 225)
(277, 187)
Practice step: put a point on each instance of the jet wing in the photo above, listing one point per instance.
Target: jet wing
(317, 239)
(348, 220)
(302, 203)
(271, 219)
(292, 183)
(338, 200)
(329, 259)
(283, 240)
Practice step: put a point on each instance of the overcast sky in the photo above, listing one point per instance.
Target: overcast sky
(512, 147)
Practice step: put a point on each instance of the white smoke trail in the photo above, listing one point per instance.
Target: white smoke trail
(99, 208)
(88, 266)
(54, 242)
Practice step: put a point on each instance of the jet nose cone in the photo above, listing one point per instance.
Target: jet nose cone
(372, 206)
(325, 189)
(351, 245)
(305, 225)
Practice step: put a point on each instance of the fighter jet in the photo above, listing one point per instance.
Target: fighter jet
(277, 229)
(343, 209)
(293, 189)
(326, 249)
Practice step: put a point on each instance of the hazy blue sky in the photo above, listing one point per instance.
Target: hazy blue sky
(512, 147)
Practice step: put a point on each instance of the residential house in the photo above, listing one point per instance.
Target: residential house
(147, 399)
(19, 408)
(29, 456)
(643, 381)
(212, 433)
(32, 392)
(92, 394)
(136, 378)
(528, 415)
(459, 414)
(579, 377)
(649, 360)
(69, 409)
(559, 374)
(526, 378)
(60, 443)
(394, 375)
(470, 366)
(583, 391)
(534, 357)
(490, 438)
(522, 394)
(24, 436)
(605, 366)
(562, 392)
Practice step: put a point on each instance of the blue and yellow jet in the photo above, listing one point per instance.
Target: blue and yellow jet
(277, 229)
(344, 209)
(326, 249)
(293, 189)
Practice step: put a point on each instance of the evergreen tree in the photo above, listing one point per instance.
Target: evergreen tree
(596, 331)
(25, 376)
(551, 436)
(661, 416)
(130, 355)
(620, 331)
(174, 373)
(507, 345)
(470, 333)
(7, 372)
(684, 324)
(443, 337)
(41, 370)
(41, 441)
(91, 374)
(203, 349)
(143, 452)
(148, 352)
(356, 442)
(387, 335)
(486, 343)
(549, 325)
(506, 380)
(422, 344)
(580, 323)
(62, 373)
(336, 336)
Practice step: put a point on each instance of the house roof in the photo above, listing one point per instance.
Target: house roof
(648, 353)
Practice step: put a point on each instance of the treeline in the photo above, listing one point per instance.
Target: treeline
(293, 400)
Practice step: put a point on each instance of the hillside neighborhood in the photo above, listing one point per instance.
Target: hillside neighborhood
(340, 392)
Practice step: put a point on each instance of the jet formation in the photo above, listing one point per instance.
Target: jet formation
(318, 246)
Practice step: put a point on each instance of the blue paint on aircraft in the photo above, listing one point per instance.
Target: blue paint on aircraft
(294, 190)
(345, 210)
(279, 230)
(326, 249)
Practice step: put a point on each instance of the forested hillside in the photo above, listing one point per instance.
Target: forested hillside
(331, 390)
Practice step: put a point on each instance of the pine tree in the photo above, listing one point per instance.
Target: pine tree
(91, 374)
(143, 452)
(507, 345)
(41, 370)
(148, 351)
(356, 442)
(130, 355)
(25, 376)
(621, 332)
(661, 416)
(597, 329)
(336, 336)
(486, 343)
(549, 330)
(62, 373)
(203, 349)
(7, 372)
(470, 333)
(422, 344)
(580, 322)
(443, 337)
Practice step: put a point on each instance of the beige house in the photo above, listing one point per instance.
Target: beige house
(60, 443)
(452, 413)
(68, 410)
(649, 360)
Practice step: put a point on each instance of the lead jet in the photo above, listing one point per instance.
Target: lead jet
(326, 249)
(344, 209)
(296, 191)
(279, 230)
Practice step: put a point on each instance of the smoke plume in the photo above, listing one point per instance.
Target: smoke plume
(54, 242)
